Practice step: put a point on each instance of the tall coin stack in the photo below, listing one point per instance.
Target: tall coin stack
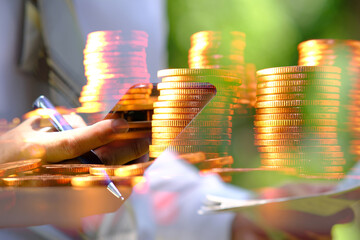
(296, 120)
(114, 62)
(179, 124)
(223, 50)
(346, 55)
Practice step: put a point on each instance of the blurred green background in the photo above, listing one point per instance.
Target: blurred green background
(273, 30)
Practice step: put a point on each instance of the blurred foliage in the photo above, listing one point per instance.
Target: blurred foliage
(273, 28)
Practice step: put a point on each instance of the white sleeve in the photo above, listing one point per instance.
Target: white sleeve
(173, 195)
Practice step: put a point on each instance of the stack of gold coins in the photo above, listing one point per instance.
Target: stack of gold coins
(346, 55)
(296, 119)
(217, 50)
(180, 125)
(114, 61)
(224, 50)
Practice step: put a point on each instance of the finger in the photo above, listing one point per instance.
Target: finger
(47, 129)
(33, 122)
(75, 120)
(38, 122)
(73, 143)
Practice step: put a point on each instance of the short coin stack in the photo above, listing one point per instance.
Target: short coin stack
(183, 94)
(114, 62)
(346, 55)
(223, 50)
(296, 119)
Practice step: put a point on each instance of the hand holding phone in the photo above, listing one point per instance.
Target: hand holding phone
(61, 124)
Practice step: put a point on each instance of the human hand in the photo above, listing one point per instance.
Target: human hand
(30, 140)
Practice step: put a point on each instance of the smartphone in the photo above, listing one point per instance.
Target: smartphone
(61, 124)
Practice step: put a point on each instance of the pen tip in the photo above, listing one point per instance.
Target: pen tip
(112, 188)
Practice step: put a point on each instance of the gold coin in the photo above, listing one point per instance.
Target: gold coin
(210, 57)
(294, 129)
(297, 96)
(186, 97)
(288, 170)
(328, 57)
(336, 176)
(97, 98)
(215, 49)
(320, 62)
(188, 149)
(327, 43)
(191, 104)
(193, 111)
(295, 110)
(91, 97)
(19, 166)
(321, 169)
(134, 101)
(297, 89)
(187, 135)
(217, 34)
(303, 76)
(298, 69)
(45, 180)
(179, 116)
(207, 155)
(68, 168)
(106, 77)
(132, 107)
(193, 157)
(277, 136)
(91, 71)
(302, 162)
(215, 162)
(136, 169)
(298, 149)
(292, 122)
(191, 91)
(184, 123)
(283, 116)
(91, 181)
(180, 85)
(139, 90)
(210, 79)
(201, 131)
(283, 155)
(135, 96)
(288, 83)
(118, 34)
(197, 98)
(185, 142)
(203, 91)
(196, 72)
(296, 103)
(295, 142)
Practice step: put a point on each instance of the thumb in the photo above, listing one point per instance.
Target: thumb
(75, 142)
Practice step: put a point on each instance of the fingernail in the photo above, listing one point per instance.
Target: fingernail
(120, 125)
